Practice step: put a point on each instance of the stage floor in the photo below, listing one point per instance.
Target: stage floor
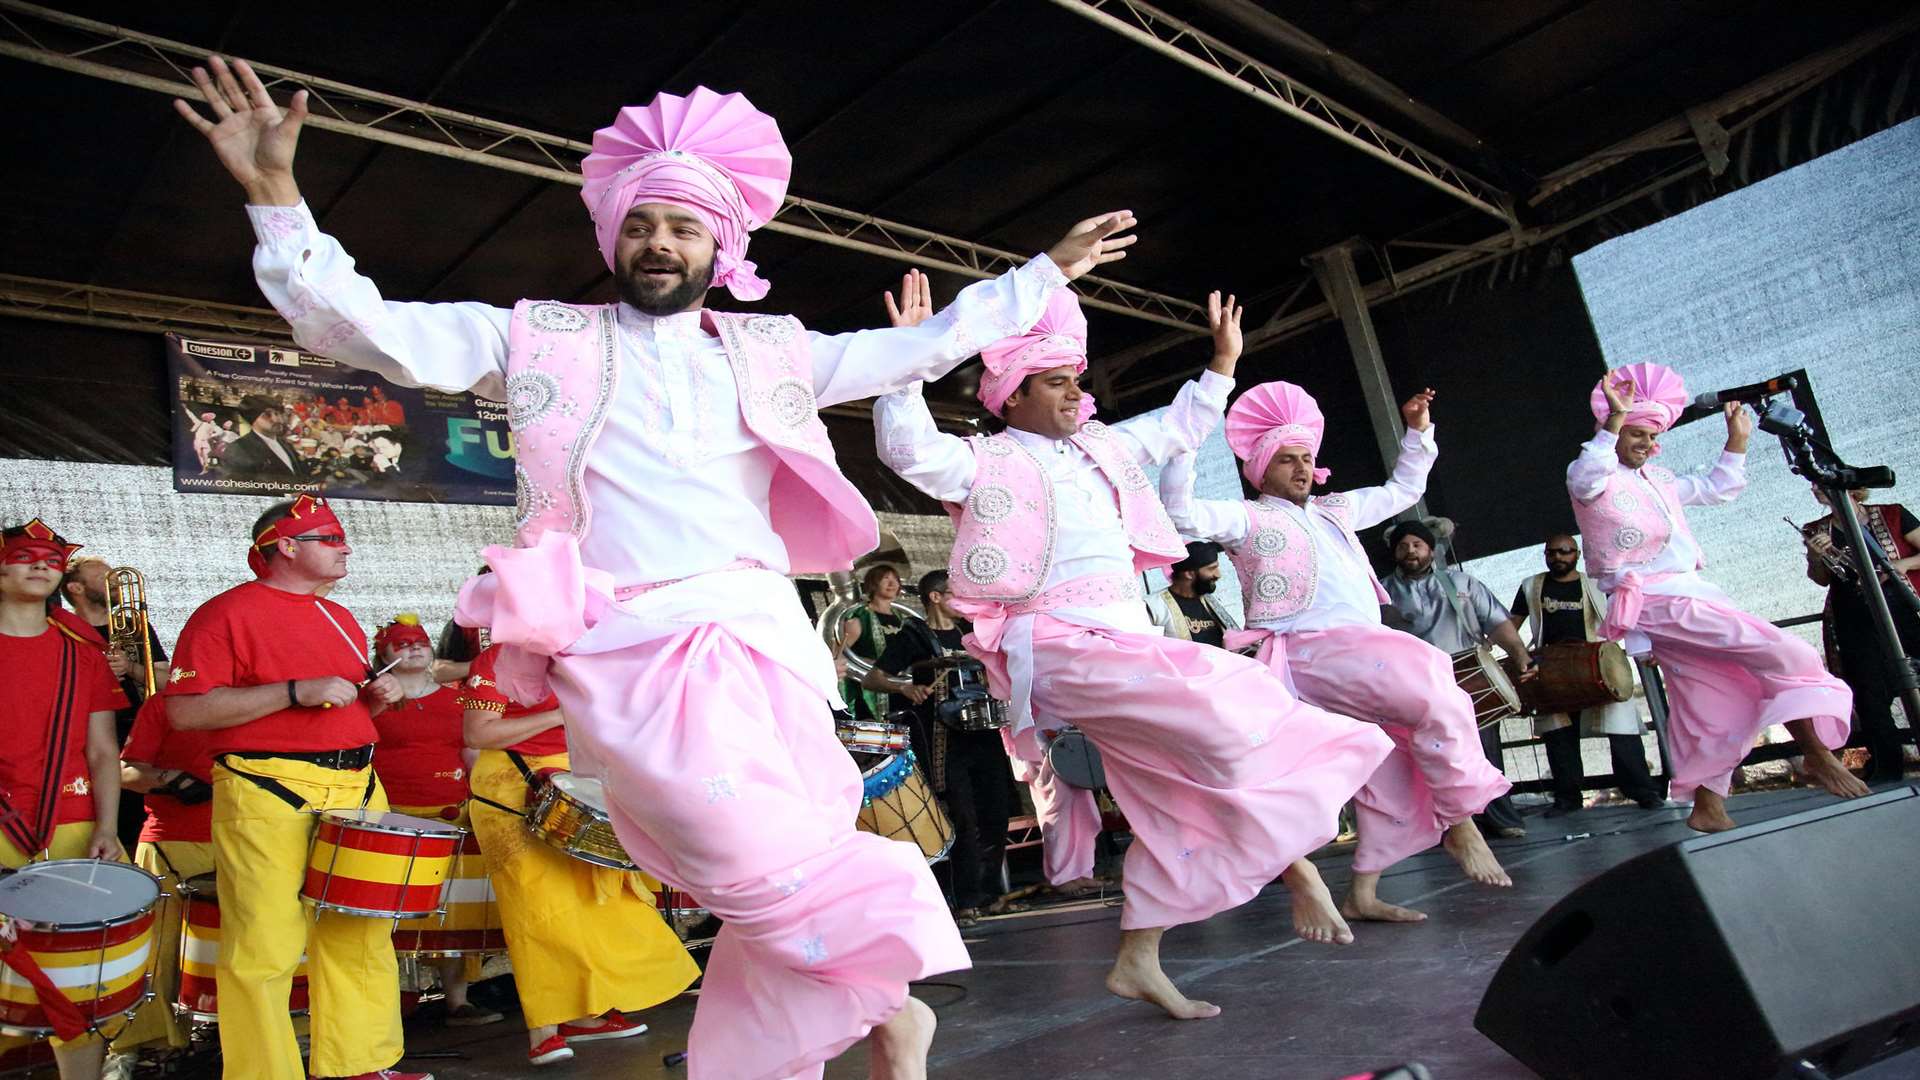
(1033, 1005)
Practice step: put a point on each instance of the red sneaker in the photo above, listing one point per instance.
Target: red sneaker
(551, 1052)
(614, 1025)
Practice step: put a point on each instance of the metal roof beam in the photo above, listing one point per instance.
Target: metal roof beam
(146, 62)
(1208, 55)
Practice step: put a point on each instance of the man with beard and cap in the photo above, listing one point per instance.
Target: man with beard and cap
(1564, 604)
(1455, 612)
(1313, 607)
(1186, 609)
(1226, 780)
(263, 452)
(672, 469)
(1729, 676)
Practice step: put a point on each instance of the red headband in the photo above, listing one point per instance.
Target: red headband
(35, 541)
(309, 513)
(405, 629)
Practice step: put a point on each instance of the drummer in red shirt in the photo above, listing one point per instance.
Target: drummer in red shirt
(423, 765)
(59, 751)
(275, 673)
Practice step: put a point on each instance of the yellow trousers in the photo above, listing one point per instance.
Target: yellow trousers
(260, 850)
(173, 862)
(582, 939)
(68, 841)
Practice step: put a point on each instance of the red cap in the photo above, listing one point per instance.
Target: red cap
(310, 512)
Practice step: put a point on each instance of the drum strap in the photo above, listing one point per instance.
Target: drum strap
(520, 762)
(484, 801)
(68, 1021)
(284, 793)
(31, 835)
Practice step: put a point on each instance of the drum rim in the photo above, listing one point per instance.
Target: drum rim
(561, 780)
(339, 818)
(372, 913)
(551, 794)
(146, 994)
(41, 925)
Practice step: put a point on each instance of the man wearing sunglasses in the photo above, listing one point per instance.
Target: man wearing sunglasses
(1563, 604)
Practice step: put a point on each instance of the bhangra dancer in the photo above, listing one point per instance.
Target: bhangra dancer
(672, 470)
(1313, 606)
(1729, 675)
(1226, 779)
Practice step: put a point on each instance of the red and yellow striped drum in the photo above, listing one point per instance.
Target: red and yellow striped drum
(471, 924)
(199, 997)
(379, 864)
(89, 926)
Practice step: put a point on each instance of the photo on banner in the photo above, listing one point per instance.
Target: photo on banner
(263, 419)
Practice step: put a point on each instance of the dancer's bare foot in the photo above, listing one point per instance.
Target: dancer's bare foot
(1820, 766)
(1709, 812)
(1136, 975)
(897, 1049)
(1363, 903)
(1315, 918)
(1468, 848)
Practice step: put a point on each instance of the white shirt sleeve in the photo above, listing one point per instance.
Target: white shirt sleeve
(937, 463)
(1183, 425)
(867, 363)
(1722, 484)
(1373, 505)
(1588, 475)
(1218, 520)
(339, 314)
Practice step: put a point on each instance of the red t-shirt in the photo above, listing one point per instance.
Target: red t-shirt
(256, 635)
(481, 693)
(50, 679)
(154, 741)
(418, 758)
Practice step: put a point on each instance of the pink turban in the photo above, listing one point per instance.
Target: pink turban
(1268, 417)
(1058, 339)
(1659, 396)
(712, 154)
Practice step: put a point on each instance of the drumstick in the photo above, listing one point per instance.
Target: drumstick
(362, 684)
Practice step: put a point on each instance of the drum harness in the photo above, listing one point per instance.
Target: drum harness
(31, 836)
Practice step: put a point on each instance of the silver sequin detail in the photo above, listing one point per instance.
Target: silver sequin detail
(1624, 502)
(984, 564)
(791, 400)
(996, 447)
(1133, 477)
(1629, 538)
(528, 501)
(1271, 586)
(990, 503)
(558, 318)
(772, 329)
(1094, 429)
(530, 396)
(1269, 542)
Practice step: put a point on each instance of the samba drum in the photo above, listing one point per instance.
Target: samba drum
(571, 814)
(1076, 760)
(379, 864)
(1479, 674)
(680, 910)
(1578, 675)
(199, 996)
(899, 805)
(89, 926)
(471, 925)
(872, 736)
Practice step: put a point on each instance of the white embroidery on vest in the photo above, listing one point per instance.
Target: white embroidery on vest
(558, 318)
(1271, 586)
(530, 396)
(1269, 542)
(790, 399)
(984, 564)
(990, 503)
(772, 329)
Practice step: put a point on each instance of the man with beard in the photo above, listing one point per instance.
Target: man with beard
(1729, 676)
(672, 471)
(1454, 612)
(1563, 604)
(84, 588)
(1186, 609)
(1313, 608)
(262, 453)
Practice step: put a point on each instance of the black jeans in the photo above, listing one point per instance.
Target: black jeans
(1869, 672)
(1500, 813)
(979, 801)
(1630, 770)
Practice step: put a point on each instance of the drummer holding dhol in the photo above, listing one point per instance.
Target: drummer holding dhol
(279, 676)
(59, 781)
(585, 941)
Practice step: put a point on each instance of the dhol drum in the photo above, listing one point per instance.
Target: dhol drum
(899, 805)
(89, 926)
(471, 925)
(571, 814)
(1481, 676)
(872, 736)
(1577, 675)
(199, 996)
(380, 864)
(1076, 760)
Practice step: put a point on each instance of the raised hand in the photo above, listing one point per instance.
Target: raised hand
(1739, 427)
(1093, 242)
(1417, 410)
(1224, 320)
(1620, 395)
(254, 138)
(916, 300)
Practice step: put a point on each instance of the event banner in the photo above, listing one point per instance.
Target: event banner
(264, 420)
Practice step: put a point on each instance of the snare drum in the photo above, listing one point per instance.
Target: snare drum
(199, 996)
(899, 805)
(872, 736)
(379, 864)
(92, 935)
(571, 814)
(1481, 676)
(974, 714)
(471, 925)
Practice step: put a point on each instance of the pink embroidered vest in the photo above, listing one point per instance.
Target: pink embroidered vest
(563, 364)
(1630, 522)
(1278, 566)
(1003, 549)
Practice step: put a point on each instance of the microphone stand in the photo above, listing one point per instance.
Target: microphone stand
(1814, 460)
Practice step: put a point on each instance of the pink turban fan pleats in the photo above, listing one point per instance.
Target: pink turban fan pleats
(1268, 417)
